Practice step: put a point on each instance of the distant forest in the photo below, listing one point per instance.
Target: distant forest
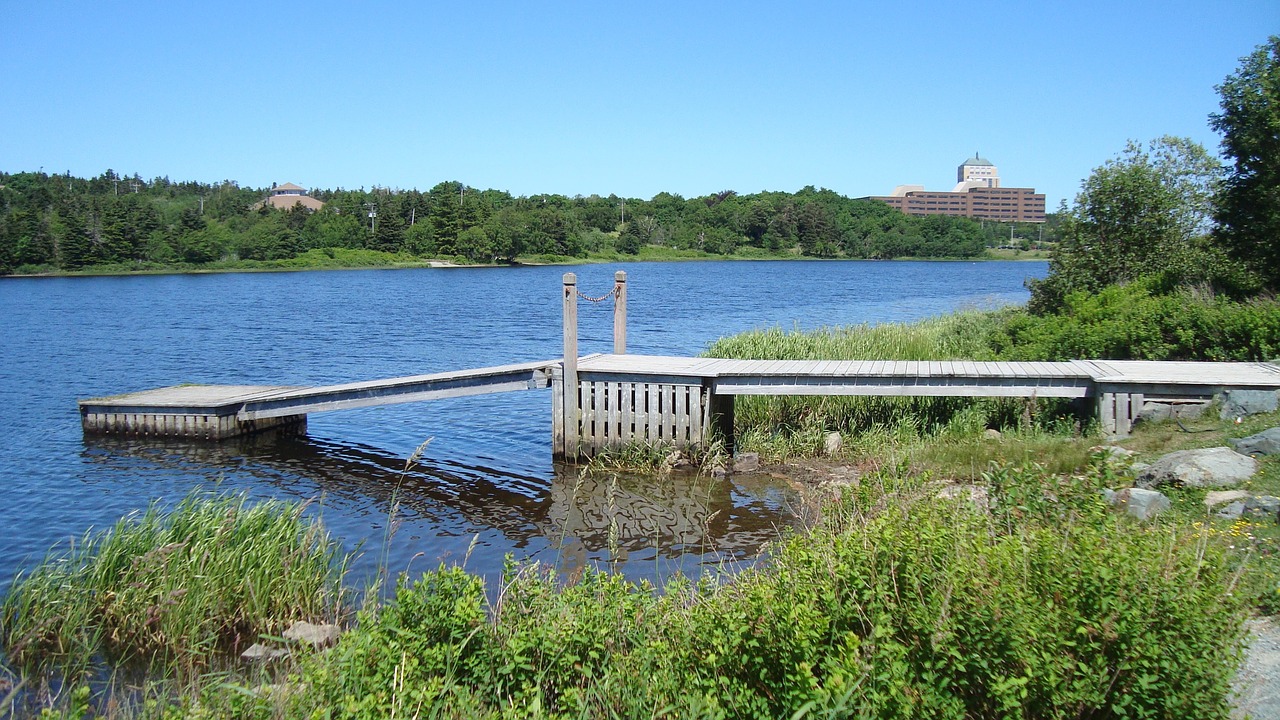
(62, 222)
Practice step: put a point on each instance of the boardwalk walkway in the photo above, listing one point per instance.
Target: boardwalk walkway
(678, 400)
(620, 398)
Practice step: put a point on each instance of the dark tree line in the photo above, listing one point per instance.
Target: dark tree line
(65, 222)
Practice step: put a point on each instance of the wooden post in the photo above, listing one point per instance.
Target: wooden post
(721, 417)
(620, 313)
(570, 394)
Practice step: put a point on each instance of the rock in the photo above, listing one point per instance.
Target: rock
(719, 471)
(832, 443)
(1140, 503)
(1232, 510)
(1218, 497)
(1136, 469)
(322, 635)
(975, 494)
(844, 476)
(1153, 411)
(746, 462)
(1266, 442)
(1239, 403)
(1115, 452)
(1210, 467)
(1262, 506)
(1190, 411)
(991, 434)
(258, 652)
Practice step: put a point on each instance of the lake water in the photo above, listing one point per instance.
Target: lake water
(484, 486)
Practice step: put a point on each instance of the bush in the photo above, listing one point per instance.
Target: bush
(1133, 321)
(900, 605)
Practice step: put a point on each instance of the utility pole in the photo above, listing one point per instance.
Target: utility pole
(372, 209)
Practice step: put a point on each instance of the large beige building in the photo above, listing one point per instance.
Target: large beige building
(977, 194)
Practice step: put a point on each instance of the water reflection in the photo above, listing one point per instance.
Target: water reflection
(647, 524)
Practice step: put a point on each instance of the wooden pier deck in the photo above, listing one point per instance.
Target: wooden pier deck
(678, 400)
(215, 412)
(603, 401)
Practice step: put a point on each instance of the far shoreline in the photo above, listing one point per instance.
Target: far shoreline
(534, 261)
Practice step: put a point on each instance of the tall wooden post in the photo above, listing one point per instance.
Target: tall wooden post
(569, 396)
(620, 313)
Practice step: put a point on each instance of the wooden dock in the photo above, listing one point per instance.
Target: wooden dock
(610, 400)
(215, 412)
(678, 400)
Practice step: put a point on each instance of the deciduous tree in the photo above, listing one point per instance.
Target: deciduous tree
(1248, 211)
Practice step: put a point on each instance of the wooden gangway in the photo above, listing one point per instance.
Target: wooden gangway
(610, 400)
(215, 412)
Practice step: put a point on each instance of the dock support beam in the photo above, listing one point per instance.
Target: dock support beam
(1117, 411)
(570, 414)
(720, 408)
(620, 313)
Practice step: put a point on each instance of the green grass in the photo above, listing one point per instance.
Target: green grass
(209, 576)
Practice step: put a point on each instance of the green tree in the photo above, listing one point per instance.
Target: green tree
(1248, 211)
(1142, 213)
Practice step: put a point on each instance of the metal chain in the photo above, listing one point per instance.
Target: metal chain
(611, 294)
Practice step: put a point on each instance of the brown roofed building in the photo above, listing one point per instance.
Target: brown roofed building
(977, 194)
(286, 196)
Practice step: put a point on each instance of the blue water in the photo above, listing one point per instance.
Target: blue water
(484, 486)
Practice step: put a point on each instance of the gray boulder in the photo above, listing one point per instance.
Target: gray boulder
(1153, 411)
(832, 444)
(305, 633)
(1231, 510)
(1219, 497)
(1266, 442)
(1210, 467)
(1262, 506)
(258, 652)
(747, 462)
(1239, 403)
(1138, 502)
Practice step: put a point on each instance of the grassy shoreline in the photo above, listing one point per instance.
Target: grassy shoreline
(375, 260)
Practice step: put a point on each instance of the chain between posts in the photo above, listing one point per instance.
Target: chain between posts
(611, 294)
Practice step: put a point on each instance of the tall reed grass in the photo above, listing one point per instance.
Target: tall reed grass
(783, 426)
(212, 574)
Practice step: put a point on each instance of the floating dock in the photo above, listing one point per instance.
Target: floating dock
(217, 412)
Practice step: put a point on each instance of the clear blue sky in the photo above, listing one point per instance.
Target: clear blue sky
(596, 97)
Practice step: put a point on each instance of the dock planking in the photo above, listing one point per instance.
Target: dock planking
(216, 412)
